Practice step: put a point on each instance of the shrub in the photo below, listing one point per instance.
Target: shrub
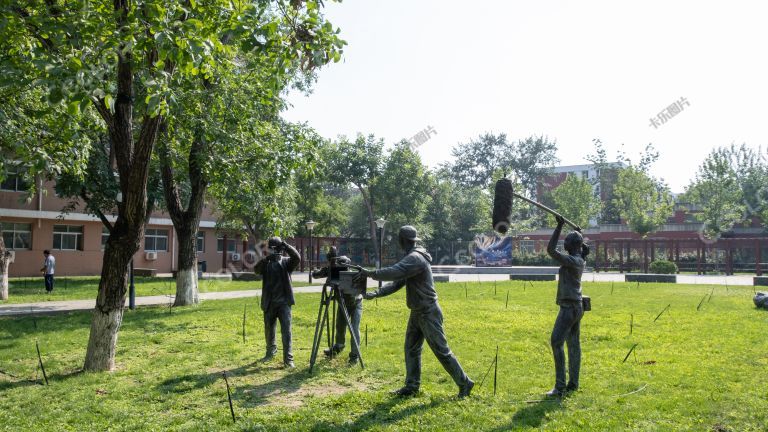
(663, 267)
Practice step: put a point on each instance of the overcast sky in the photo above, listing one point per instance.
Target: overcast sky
(572, 71)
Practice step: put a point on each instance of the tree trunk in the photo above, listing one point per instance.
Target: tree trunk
(5, 261)
(371, 222)
(108, 314)
(186, 221)
(132, 157)
(186, 275)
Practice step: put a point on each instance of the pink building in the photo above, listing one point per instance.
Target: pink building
(33, 224)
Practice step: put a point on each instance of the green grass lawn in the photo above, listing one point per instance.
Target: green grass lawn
(30, 290)
(692, 370)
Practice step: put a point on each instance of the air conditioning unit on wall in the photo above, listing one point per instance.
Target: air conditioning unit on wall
(150, 256)
(234, 257)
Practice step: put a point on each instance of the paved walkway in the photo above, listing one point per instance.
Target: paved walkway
(52, 307)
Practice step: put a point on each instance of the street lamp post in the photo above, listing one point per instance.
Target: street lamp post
(310, 224)
(380, 225)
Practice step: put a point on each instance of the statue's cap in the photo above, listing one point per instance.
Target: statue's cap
(408, 232)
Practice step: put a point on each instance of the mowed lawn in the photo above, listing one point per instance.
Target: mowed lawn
(31, 290)
(692, 369)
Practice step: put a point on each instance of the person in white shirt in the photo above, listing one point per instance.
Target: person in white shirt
(49, 265)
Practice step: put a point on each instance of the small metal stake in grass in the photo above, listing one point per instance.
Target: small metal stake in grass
(244, 323)
(611, 288)
(665, 309)
(531, 283)
(495, 369)
(710, 294)
(229, 396)
(506, 305)
(701, 302)
(494, 287)
(631, 323)
(630, 352)
(40, 359)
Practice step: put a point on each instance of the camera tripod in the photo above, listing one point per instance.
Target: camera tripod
(330, 295)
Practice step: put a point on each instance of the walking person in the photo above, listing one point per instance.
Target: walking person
(414, 271)
(48, 269)
(567, 326)
(277, 296)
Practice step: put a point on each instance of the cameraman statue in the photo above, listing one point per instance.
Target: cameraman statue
(414, 272)
(567, 327)
(277, 295)
(354, 305)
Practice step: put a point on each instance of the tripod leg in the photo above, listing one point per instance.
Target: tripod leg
(322, 314)
(332, 331)
(352, 335)
(328, 322)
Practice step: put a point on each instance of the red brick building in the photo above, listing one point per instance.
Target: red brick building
(33, 224)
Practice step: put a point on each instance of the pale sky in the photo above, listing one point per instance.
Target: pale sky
(570, 70)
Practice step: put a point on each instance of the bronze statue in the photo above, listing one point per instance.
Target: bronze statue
(352, 303)
(426, 320)
(568, 323)
(277, 296)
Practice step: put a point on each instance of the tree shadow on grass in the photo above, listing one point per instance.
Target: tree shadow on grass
(18, 382)
(533, 414)
(261, 394)
(189, 382)
(381, 414)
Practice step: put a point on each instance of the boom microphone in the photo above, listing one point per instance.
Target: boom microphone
(502, 205)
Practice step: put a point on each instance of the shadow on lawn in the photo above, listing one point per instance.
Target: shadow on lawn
(381, 414)
(532, 415)
(287, 384)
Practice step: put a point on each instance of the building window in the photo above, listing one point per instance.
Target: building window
(104, 237)
(200, 241)
(527, 247)
(231, 244)
(156, 240)
(14, 182)
(68, 237)
(585, 175)
(17, 236)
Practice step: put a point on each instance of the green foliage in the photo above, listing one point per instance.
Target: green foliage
(716, 191)
(644, 202)
(663, 267)
(403, 190)
(455, 211)
(477, 162)
(680, 380)
(575, 199)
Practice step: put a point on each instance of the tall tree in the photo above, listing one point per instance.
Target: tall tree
(717, 192)
(256, 191)
(575, 199)
(125, 59)
(357, 162)
(476, 162)
(455, 211)
(406, 184)
(644, 202)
